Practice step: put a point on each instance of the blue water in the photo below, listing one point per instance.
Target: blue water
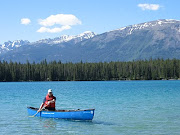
(122, 107)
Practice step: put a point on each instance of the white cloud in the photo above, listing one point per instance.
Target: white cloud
(25, 21)
(53, 30)
(149, 6)
(64, 20)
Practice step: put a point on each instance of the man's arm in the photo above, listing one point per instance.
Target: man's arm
(41, 106)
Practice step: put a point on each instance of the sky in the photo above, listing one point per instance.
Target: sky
(39, 19)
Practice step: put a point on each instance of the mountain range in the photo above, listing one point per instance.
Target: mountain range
(155, 39)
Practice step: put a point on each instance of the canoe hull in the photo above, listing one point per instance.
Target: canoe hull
(63, 114)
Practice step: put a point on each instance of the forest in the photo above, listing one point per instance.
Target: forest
(157, 69)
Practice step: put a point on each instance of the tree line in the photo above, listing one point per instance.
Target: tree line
(157, 69)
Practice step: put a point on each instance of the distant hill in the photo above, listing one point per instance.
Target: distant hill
(155, 39)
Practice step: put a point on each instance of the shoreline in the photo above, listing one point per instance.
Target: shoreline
(93, 80)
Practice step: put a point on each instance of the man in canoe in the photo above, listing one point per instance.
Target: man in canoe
(49, 101)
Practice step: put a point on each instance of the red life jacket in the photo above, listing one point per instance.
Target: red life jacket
(51, 105)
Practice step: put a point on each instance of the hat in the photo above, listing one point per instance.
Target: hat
(50, 90)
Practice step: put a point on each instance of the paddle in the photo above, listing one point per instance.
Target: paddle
(39, 111)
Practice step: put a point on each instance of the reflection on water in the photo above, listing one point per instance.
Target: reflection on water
(64, 126)
(49, 123)
(53, 123)
(105, 123)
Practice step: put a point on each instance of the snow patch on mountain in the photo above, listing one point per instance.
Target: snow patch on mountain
(130, 29)
(11, 45)
(66, 38)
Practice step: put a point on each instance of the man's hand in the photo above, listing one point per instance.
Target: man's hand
(41, 107)
(39, 110)
(49, 102)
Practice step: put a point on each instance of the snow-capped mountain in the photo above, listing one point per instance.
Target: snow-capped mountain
(155, 39)
(67, 38)
(11, 45)
(153, 24)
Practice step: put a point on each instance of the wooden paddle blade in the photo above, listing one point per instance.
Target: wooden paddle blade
(31, 116)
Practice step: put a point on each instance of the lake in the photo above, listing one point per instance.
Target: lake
(122, 107)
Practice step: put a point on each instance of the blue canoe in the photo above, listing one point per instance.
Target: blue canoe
(63, 114)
